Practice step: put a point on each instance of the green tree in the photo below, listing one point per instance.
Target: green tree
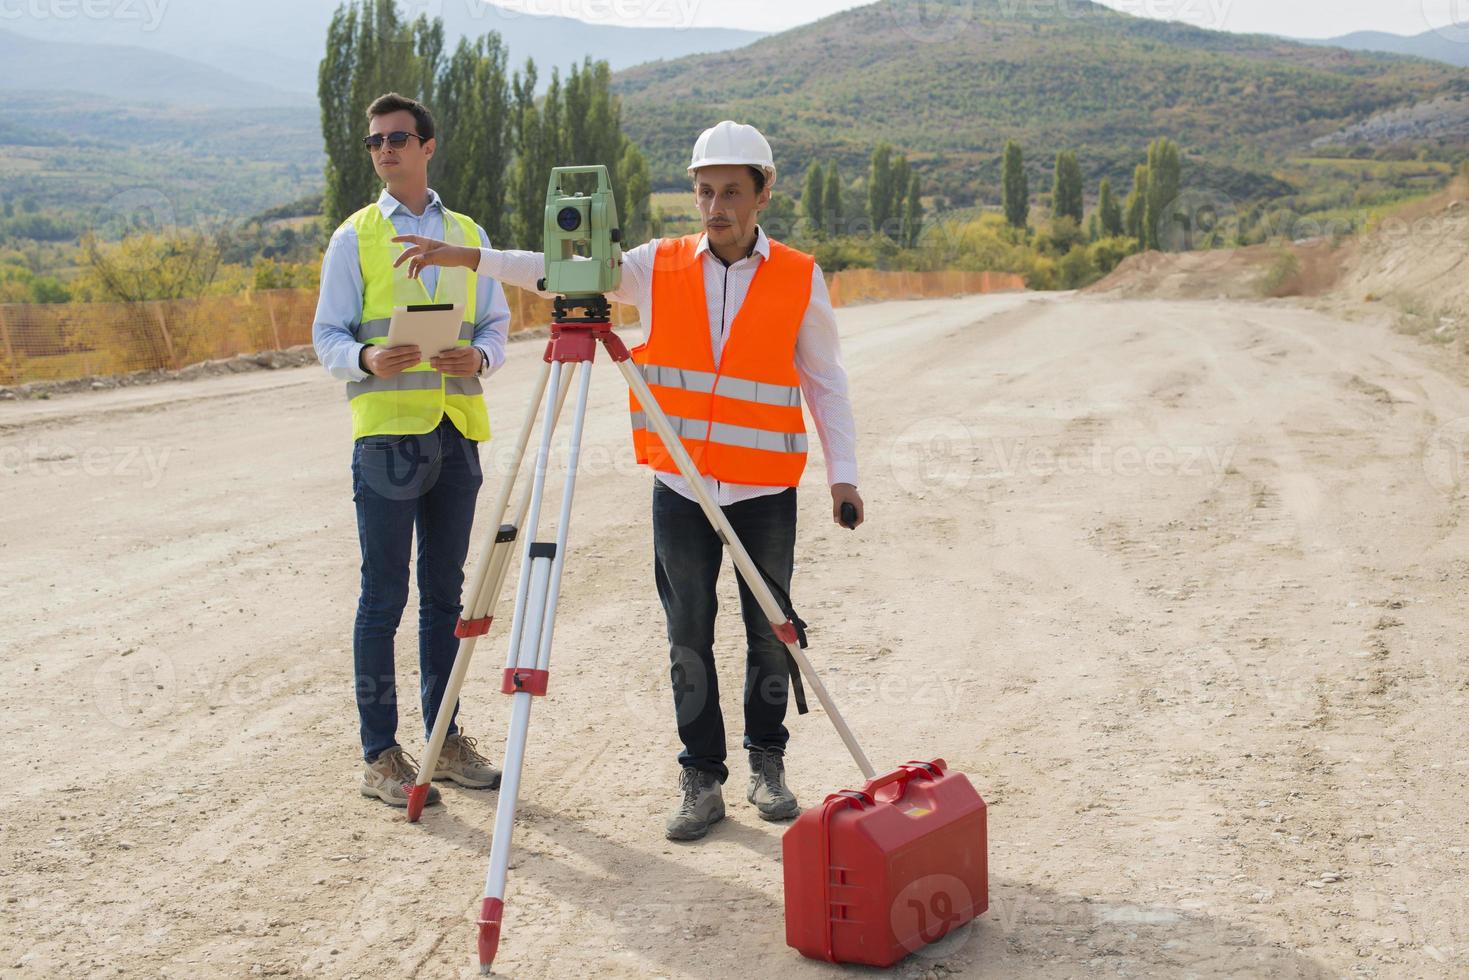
(1165, 168)
(1109, 211)
(1066, 193)
(1076, 268)
(369, 50)
(474, 148)
(779, 217)
(19, 284)
(898, 192)
(534, 138)
(831, 199)
(1015, 187)
(913, 214)
(880, 186)
(1133, 211)
(813, 197)
(639, 223)
(175, 264)
(888, 182)
(580, 122)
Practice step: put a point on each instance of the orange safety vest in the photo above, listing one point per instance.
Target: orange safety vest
(740, 420)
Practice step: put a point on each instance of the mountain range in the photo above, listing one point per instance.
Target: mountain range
(949, 81)
(274, 46)
(1448, 44)
(946, 81)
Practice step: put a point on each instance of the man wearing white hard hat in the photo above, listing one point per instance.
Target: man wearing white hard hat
(740, 327)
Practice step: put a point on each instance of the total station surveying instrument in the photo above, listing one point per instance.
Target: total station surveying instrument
(583, 262)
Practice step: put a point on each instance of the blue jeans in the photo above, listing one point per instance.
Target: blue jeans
(687, 557)
(400, 483)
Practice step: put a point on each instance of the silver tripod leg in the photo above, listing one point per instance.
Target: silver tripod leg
(527, 662)
(485, 590)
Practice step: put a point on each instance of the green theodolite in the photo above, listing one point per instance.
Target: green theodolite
(582, 241)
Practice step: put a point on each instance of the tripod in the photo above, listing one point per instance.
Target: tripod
(573, 342)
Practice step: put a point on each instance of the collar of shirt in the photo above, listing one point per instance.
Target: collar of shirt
(762, 245)
(388, 204)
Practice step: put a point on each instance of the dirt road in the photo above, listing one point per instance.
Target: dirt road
(1180, 585)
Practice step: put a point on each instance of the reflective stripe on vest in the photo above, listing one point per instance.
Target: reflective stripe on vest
(729, 435)
(723, 385)
(416, 400)
(416, 381)
(739, 419)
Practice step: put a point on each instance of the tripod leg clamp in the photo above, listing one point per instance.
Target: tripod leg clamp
(520, 680)
(473, 627)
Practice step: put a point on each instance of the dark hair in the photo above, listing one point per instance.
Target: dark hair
(755, 172)
(393, 102)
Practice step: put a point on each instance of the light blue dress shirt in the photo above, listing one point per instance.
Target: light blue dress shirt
(339, 304)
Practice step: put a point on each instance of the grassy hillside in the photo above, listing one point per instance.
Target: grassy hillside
(950, 89)
(82, 160)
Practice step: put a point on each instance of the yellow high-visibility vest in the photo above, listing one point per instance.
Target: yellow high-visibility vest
(414, 401)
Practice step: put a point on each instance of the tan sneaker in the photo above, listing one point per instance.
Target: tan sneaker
(768, 789)
(700, 805)
(389, 776)
(461, 762)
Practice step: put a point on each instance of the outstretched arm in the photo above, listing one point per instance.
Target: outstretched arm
(521, 268)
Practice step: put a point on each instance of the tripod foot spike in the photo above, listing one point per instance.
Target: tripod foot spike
(490, 914)
(417, 797)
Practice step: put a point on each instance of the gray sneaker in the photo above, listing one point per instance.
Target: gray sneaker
(389, 775)
(702, 804)
(768, 790)
(461, 762)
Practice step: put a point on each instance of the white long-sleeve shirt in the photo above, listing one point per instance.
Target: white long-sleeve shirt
(818, 350)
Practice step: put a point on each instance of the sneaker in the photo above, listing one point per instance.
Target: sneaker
(389, 776)
(768, 790)
(461, 762)
(702, 805)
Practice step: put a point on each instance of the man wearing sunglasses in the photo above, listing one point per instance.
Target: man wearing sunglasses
(416, 427)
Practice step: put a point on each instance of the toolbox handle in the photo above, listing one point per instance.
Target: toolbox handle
(904, 774)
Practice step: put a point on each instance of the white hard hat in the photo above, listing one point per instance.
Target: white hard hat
(733, 143)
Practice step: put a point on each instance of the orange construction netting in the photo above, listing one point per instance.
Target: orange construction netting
(60, 342)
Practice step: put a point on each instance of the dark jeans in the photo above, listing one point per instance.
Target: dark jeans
(687, 556)
(400, 483)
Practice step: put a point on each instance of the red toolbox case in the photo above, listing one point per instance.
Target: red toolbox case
(874, 874)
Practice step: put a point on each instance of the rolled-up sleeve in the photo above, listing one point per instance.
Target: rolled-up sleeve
(339, 308)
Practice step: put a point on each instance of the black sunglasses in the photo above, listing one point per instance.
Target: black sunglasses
(396, 140)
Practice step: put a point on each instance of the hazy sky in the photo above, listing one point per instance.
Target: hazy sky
(1297, 18)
